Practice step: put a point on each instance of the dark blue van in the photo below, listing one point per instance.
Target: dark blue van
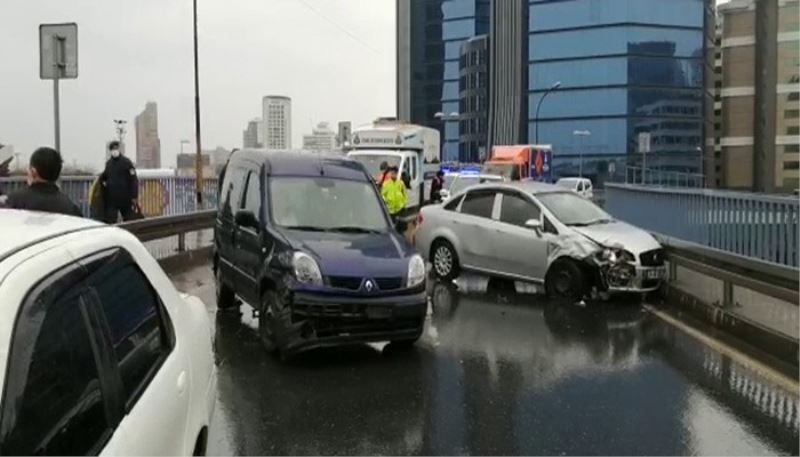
(307, 241)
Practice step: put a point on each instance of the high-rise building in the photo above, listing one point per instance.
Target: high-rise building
(473, 99)
(252, 136)
(429, 38)
(321, 139)
(148, 144)
(508, 73)
(277, 122)
(760, 91)
(625, 67)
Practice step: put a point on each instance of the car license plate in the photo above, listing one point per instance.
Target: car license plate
(654, 274)
(379, 312)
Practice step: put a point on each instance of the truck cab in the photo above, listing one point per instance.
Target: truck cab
(387, 144)
(519, 162)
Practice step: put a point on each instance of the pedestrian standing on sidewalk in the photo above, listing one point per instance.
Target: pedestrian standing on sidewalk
(121, 187)
(42, 192)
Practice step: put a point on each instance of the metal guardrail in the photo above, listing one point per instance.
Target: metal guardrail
(758, 226)
(777, 281)
(667, 178)
(166, 226)
(158, 196)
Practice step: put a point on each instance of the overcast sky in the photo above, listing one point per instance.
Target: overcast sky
(335, 58)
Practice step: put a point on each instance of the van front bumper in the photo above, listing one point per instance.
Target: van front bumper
(322, 320)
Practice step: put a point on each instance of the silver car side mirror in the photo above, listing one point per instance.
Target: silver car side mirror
(536, 225)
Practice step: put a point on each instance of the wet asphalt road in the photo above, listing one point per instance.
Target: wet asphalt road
(497, 373)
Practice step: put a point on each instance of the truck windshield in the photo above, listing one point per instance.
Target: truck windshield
(326, 204)
(572, 209)
(375, 164)
(506, 170)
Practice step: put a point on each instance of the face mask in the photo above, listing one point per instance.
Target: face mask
(115, 153)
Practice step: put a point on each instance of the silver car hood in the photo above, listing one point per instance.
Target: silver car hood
(618, 234)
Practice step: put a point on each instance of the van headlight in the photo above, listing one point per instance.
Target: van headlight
(306, 269)
(416, 271)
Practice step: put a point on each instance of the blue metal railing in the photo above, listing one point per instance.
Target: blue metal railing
(656, 177)
(164, 196)
(754, 225)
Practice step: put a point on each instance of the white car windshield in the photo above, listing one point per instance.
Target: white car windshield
(325, 204)
(375, 164)
(571, 209)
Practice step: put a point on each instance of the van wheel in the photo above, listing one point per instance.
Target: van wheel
(445, 260)
(226, 298)
(565, 281)
(266, 322)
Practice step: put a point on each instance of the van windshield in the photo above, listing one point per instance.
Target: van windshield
(326, 204)
(375, 164)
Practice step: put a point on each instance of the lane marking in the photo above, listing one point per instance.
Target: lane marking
(773, 375)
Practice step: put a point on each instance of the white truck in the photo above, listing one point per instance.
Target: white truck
(390, 143)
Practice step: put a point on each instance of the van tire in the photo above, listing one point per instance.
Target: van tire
(566, 281)
(226, 298)
(445, 260)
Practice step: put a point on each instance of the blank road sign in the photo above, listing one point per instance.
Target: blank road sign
(58, 51)
(644, 142)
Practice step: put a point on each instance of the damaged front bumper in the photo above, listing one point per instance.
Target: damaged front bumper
(322, 320)
(625, 277)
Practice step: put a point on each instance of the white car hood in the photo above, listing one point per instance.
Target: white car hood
(620, 235)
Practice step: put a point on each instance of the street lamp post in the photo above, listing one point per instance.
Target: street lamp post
(555, 86)
(581, 134)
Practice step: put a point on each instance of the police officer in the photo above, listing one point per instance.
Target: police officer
(121, 186)
(42, 193)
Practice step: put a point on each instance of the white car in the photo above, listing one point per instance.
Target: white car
(581, 186)
(99, 353)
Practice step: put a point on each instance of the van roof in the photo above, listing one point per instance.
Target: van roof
(302, 163)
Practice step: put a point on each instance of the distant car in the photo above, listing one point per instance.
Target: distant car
(307, 241)
(538, 232)
(463, 180)
(581, 186)
(99, 352)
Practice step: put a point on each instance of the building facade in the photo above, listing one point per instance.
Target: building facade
(429, 38)
(760, 109)
(186, 167)
(508, 73)
(277, 122)
(473, 99)
(321, 139)
(624, 67)
(148, 143)
(253, 135)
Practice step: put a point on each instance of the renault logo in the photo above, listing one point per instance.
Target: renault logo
(369, 285)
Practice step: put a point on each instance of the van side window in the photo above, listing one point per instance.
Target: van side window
(252, 196)
(54, 402)
(231, 190)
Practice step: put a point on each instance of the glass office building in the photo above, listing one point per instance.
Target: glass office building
(624, 67)
(429, 38)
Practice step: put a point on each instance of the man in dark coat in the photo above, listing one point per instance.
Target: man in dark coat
(120, 186)
(42, 193)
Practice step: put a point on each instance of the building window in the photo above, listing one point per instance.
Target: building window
(793, 165)
(791, 114)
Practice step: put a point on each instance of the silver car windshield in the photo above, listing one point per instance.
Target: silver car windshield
(572, 209)
(324, 204)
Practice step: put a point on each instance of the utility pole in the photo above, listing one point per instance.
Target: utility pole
(119, 127)
(199, 160)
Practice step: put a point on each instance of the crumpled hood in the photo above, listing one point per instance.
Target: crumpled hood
(620, 234)
(382, 255)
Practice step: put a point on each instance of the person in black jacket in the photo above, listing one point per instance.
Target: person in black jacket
(120, 185)
(42, 193)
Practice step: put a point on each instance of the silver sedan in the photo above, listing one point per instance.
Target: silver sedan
(539, 233)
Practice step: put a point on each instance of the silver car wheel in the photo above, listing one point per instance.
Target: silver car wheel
(443, 261)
